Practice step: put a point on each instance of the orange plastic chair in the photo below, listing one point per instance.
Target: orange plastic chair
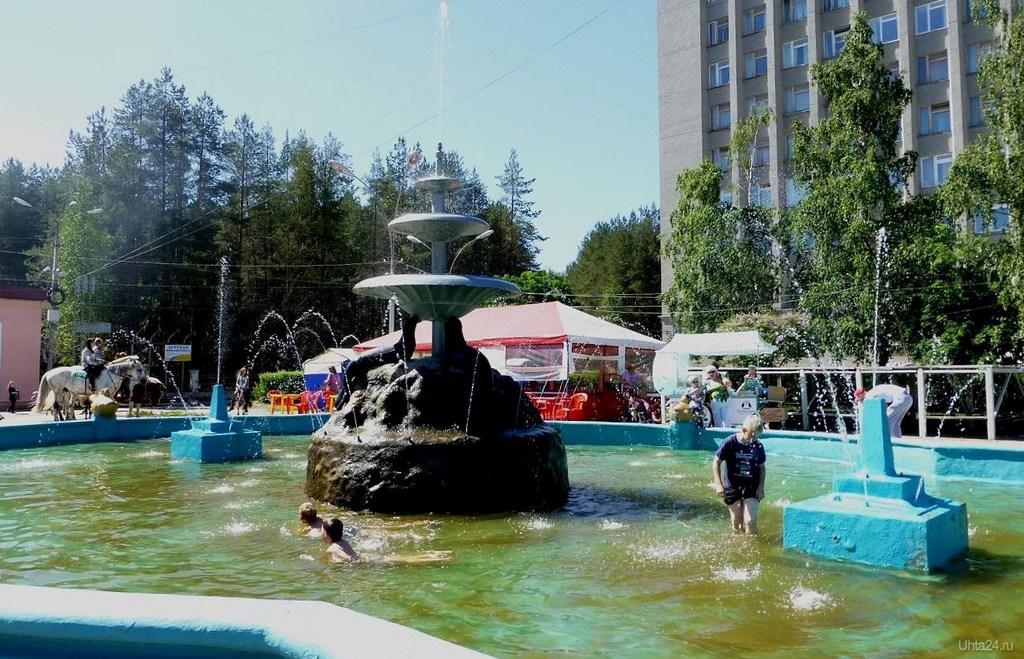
(292, 402)
(276, 400)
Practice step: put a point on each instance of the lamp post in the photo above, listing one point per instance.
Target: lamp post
(53, 295)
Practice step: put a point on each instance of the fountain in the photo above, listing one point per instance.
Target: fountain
(444, 433)
(877, 517)
(216, 438)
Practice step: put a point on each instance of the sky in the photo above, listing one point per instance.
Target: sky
(571, 85)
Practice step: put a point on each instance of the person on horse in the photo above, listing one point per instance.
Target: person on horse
(92, 360)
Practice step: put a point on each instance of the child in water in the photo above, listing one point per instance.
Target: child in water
(338, 550)
(312, 523)
(742, 486)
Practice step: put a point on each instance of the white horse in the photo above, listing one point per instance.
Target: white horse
(69, 383)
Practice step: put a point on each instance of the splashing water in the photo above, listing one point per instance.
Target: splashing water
(805, 599)
(440, 46)
(879, 256)
(222, 307)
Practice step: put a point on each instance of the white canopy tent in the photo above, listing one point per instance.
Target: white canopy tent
(314, 371)
(673, 361)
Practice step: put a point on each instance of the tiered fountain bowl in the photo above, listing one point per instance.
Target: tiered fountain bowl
(444, 433)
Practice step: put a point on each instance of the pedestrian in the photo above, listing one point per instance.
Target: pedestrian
(243, 393)
(12, 395)
(742, 485)
(898, 402)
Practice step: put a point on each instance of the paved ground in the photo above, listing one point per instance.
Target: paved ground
(23, 416)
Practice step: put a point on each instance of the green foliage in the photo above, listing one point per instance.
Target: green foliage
(990, 169)
(180, 190)
(539, 286)
(721, 255)
(287, 382)
(850, 163)
(787, 331)
(617, 271)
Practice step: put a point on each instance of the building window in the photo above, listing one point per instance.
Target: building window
(834, 42)
(761, 195)
(721, 117)
(798, 99)
(935, 169)
(760, 155)
(977, 111)
(754, 20)
(718, 74)
(971, 6)
(795, 192)
(794, 10)
(718, 31)
(886, 28)
(790, 141)
(829, 5)
(935, 119)
(720, 157)
(794, 53)
(931, 17)
(975, 53)
(754, 101)
(756, 64)
(999, 223)
(932, 68)
(725, 197)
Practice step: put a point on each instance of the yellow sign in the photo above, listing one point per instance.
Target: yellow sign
(178, 352)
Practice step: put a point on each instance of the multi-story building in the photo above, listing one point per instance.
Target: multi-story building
(717, 59)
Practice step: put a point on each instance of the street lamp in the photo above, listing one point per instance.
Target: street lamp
(54, 295)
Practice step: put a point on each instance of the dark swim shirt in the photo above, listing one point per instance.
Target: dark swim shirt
(743, 461)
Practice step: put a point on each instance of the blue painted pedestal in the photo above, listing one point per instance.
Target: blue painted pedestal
(213, 440)
(876, 516)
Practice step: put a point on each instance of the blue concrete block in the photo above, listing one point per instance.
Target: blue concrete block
(877, 531)
(906, 488)
(205, 446)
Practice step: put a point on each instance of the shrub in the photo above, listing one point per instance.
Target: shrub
(287, 382)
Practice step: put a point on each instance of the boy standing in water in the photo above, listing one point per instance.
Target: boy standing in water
(339, 550)
(742, 486)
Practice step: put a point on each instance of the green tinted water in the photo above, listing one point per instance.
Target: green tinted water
(640, 563)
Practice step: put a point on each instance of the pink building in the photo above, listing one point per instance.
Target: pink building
(21, 322)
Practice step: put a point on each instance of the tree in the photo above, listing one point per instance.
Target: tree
(851, 165)
(617, 271)
(989, 171)
(516, 189)
(720, 254)
(540, 286)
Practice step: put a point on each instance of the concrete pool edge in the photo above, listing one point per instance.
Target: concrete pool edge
(981, 460)
(286, 628)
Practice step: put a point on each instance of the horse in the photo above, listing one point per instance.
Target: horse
(150, 392)
(70, 383)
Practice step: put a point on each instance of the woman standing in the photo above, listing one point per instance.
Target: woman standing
(243, 397)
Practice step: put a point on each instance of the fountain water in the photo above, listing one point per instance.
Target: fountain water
(444, 433)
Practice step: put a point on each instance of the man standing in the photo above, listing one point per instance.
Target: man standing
(898, 402)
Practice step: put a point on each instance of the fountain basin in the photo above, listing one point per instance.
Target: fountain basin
(438, 227)
(432, 297)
